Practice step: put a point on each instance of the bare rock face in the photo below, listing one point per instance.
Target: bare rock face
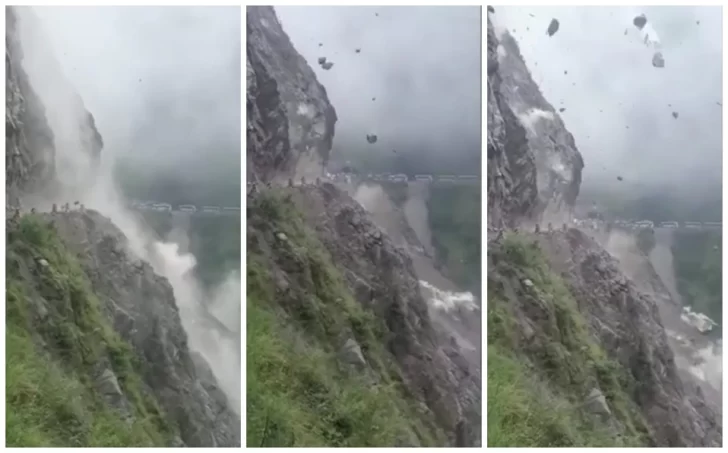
(512, 189)
(29, 148)
(30, 154)
(140, 306)
(290, 123)
(558, 162)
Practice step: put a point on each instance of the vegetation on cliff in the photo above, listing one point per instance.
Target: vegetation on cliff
(454, 215)
(541, 368)
(697, 261)
(300, 314)
(57, 343)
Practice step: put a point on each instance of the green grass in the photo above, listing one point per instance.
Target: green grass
(50, 396)
(536, 388)
(298, 392)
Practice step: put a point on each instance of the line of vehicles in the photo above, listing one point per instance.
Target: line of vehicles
(672, 224)
(186, 208)
(401, 177)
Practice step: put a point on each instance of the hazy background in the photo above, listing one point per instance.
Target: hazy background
(619, 107)
(423, 66)
(164, 86)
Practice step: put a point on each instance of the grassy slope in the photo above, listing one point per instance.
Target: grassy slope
(456, 230)
(698, 270)
(298, 394)
(535, 388)
(51, 401)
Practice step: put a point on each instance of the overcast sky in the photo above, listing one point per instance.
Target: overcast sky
(162, 82)
(422, 64)
(613, 72)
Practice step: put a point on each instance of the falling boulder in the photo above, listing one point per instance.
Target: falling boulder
(371, 138)
(640, 21)
(322, 60)
(674, 115)
(321, 44)
(374, 99)
(565, 72)
(328, 65)
(358, 50)
(658, 60)
(619, 178)
(562, 110)
(553, 27)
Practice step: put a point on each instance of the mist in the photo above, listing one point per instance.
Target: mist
(422, 66)
(598, 66)
(164, 86)
(92, 52)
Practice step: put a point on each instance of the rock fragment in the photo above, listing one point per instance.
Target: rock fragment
(553, 27)
(640, 21)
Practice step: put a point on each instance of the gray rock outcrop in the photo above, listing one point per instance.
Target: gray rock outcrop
(512, 175)
(29, 147)
(290, 122)
(527, 122)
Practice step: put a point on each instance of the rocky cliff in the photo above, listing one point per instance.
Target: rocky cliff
(577, 352)
(526, 128)
(96, 353)
(29, 147)
(512, 174)
(290, 122)
(343, 349)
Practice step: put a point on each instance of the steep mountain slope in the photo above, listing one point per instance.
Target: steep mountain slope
(342, 347)
(577, 352)
(96, 351)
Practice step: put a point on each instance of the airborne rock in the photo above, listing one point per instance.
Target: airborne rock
(553, 27)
